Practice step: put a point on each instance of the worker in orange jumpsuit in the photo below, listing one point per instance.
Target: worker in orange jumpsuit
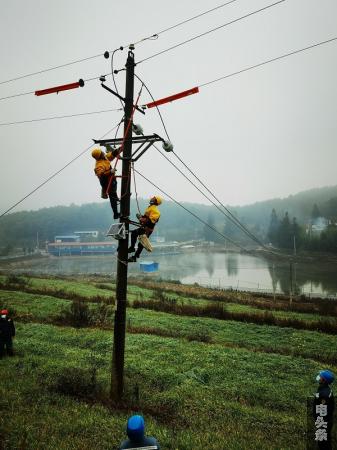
(147, 221)
(105, 174)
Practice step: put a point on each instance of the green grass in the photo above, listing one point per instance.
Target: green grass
(32, 306)
(264, 338)
(244, 389)
(284, 314)
(193, 395)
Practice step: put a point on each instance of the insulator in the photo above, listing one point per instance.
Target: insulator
(137, 129)
(167, 146)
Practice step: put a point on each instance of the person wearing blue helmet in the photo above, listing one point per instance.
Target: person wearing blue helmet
(135, 430)
(324, 405)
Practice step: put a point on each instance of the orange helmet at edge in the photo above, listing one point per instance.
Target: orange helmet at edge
(156, 200)
(96, 153)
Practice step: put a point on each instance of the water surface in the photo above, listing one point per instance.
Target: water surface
(214, 269)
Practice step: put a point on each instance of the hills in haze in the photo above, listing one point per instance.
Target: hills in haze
(23, 228)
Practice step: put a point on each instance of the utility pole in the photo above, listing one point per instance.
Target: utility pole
(274, 286)
(291, 282)
(117, 372)
(295, 253)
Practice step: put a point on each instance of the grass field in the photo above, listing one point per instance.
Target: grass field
(201, 383)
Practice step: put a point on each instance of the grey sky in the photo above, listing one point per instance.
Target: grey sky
(266, 133)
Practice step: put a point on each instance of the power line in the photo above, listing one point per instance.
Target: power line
(17, 95)
(211, 31)
(33, 92)
(58, 117)
(52, 176)
(231, 75)
(194, 17)
(228, 214)
(268, 61)
(158, 110)
(153, 36)
(50, 68)
(113, 75)
(207, 83)
(190, 212)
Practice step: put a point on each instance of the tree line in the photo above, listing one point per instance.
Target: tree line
(285, 226)
(318, 233)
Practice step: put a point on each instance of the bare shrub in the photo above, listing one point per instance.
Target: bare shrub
(76, 382)
(78, 315)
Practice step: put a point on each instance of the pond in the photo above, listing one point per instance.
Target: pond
(213, 269)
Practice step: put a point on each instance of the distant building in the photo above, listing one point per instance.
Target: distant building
(86, 234)
(67, 238)
(317, 225)
(81, 248)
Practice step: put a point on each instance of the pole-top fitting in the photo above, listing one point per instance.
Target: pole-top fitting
(131, 46)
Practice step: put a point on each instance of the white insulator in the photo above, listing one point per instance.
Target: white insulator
(167, 146)
(137, 129)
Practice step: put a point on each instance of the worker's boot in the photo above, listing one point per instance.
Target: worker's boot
(116, 215)
(103, 193)
(131, 249)
(132, 258)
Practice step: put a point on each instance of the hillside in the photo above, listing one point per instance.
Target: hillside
(299, 205)
(21, 228)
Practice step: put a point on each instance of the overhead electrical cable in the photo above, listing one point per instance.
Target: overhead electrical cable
(193, 18)
(135, 185)
(113, 75)
(285, 55)
(158, 110)
(34, 92)
(53, 175)
(59, 117)
(17, 95)
(211, 31)
(149, 57)
(225, 211)
(192, 213)
(228, 216)
(50, 68)
(153, 36)
(232, 74)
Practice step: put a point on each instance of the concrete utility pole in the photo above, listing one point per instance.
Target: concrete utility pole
(295, 252)
(291, 281)
(117, 372)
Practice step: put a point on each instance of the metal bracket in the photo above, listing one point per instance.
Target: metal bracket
(120, 97)
(145, 142)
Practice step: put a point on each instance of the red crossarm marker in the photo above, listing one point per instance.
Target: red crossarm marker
(171, 98)
(57, 89)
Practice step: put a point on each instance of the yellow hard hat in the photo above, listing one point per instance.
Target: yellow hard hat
(158, 200)
(96, 153)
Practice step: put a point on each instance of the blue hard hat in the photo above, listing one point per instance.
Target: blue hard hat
(327, 376)
(135, 428)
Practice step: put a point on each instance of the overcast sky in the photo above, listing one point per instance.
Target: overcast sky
(269, 132)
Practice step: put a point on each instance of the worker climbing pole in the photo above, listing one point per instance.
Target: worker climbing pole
(117, 384)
